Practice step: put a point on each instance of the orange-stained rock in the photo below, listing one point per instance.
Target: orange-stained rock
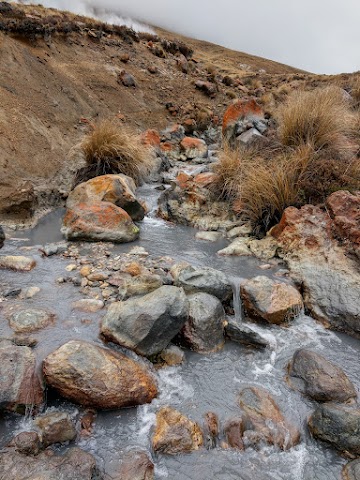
(182, 179)
(151, 138)
(175, 433)
(117, 189)
(194, 147)
(263, 420)
(98, 377)
(205, 179)
(240, 110)
(101, 221)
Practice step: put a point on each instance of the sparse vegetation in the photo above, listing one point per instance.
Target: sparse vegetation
(110, 148)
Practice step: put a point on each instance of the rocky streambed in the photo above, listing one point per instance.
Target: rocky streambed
(229, 408)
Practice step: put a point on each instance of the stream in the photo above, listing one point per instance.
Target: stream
(203, 383)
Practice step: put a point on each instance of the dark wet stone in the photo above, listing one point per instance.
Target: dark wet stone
(234, 430)
(136, 466)
(205, 279)
(55, 427)
(2, 236)
(27, 443)
(244, 334)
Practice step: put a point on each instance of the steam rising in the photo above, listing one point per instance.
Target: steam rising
(321, 36)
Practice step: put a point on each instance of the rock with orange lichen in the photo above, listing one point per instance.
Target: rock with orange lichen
(175, 433)
(193, 148)
(98, 377)
(100, 221)
(117, 189)
(242, 116)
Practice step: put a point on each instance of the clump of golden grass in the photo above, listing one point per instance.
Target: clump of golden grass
(110, 148)
(320, 118)
(355, 91)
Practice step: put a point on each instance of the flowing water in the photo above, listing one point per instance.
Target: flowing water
(203, 383)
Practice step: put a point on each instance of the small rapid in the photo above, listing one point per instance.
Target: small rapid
(202, 383)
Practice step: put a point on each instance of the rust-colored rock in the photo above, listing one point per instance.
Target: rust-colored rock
(234, 430)
(263, 420)
(151, 138)
(175, 433)
(101, 221)
(98, 377)
(136, 466)
(242, 109)
(193, 147)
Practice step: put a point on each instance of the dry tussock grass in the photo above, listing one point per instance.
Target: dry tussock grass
(320, 118)
(110, 148)
(355, 91)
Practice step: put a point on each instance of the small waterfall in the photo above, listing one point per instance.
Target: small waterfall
(235, 283)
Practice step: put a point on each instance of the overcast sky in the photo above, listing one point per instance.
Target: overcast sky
(321, 36)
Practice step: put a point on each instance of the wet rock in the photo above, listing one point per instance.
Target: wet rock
(194, 148)
(330, 278)
(17, 263)
(174, 433)
(89, 305)
(53, 249)
(234, 430)
(238, 247)
(205, 279)
(2, 236)
(75, 464)
(98, 377)
(116, 189)
(30, 320)
(136, 466)
(171, 356)
(87, 422)
(208, 88)
(204, 330)
(208, 236)
(240, 231)
(263, 420)
(147, 324)
(244, 334)
(323, 381)
(127, 79)
(30, 292)
(20, 386)
(351, 471)
(27, 443)
(270, 300)
(143, 284)
(211, 429)
(338, 425)
(265, 249)
(55, 427)
(241, 116)
(102, 221)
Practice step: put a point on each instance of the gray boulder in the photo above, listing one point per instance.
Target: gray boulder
(244, 334)
(205, 279)
(204, 331)
(20, 386)
(323, 381)
(75, 465)
(147, 324)
(338, 425)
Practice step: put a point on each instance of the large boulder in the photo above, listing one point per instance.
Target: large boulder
(330, 278)
(204, 331)
(338, 425)
(116, 189)
(351, 471)
(322, 380)
(205, 279)
(147, 324)
(20, 385)
(263, 420)
(174, 433)
(273, 301)
(75, 464)
(17, 263)
(97, 377)
(101, 221)
(136, 465)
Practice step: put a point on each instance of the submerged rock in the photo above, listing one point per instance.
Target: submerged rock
(136, 466)
(174, 433)
(55, 427)
(204, 331)
(323, 381)
(116, 189)
(30, 320)
(98, 377)
(17, 263)
(75, 464)
(238, 247)
(149, 323)
(351, 471)
(244, 334)
(28, 443)
(205, 279)
(211, 429)
(234, 430)
(263, 420)
(273, 301)
(2, 236)
(338, 425)
(20, 386)
(101, 221)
